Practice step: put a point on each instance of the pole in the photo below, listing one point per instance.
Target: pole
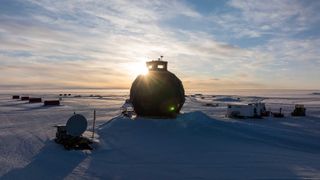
(94, 122)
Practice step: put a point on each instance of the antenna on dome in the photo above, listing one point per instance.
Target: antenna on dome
(160, 58)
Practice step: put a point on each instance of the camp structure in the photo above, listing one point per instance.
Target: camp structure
(15, 97)
(253, 110)
(35, 100)
(51, 103)
(159, 93)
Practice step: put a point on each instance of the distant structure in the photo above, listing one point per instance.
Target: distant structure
(51, 103)
(15, 97)
(159, 93)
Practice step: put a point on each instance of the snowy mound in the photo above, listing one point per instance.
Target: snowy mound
(200, 144)
(197, 146)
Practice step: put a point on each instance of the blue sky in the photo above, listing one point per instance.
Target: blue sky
(235, 44)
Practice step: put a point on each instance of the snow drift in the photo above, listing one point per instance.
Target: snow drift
(199, 144)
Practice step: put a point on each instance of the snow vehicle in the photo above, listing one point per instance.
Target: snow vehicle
(299, 110)
(127, 109)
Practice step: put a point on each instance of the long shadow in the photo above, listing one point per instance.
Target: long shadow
(52, 162)
(39, 107)
(14, 104)
(26, 108)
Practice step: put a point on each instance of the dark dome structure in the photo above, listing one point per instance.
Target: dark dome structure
(159, 93)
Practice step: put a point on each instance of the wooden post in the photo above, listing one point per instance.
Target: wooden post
(94, 122)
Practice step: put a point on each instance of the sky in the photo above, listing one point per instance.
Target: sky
(234, 44)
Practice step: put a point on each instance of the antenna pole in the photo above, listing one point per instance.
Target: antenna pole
(94, 122)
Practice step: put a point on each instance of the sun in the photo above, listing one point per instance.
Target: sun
(143, 70)
(138, 69)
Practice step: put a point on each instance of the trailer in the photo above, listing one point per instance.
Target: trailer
(253, 110)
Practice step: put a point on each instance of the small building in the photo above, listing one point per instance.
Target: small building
(246, 110)
(35, 100)
(51, 103)
(15, 97)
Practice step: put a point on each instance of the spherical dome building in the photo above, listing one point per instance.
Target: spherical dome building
(159, 93)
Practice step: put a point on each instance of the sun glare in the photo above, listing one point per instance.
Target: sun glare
(143, 70)
(139, 69)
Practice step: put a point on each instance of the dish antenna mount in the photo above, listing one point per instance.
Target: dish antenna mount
(76, 125)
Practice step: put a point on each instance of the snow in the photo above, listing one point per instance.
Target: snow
(200, 144)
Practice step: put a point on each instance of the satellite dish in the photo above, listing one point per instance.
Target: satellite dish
(76, 125)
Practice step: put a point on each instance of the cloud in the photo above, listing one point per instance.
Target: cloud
(100, 44)
(253, 19)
